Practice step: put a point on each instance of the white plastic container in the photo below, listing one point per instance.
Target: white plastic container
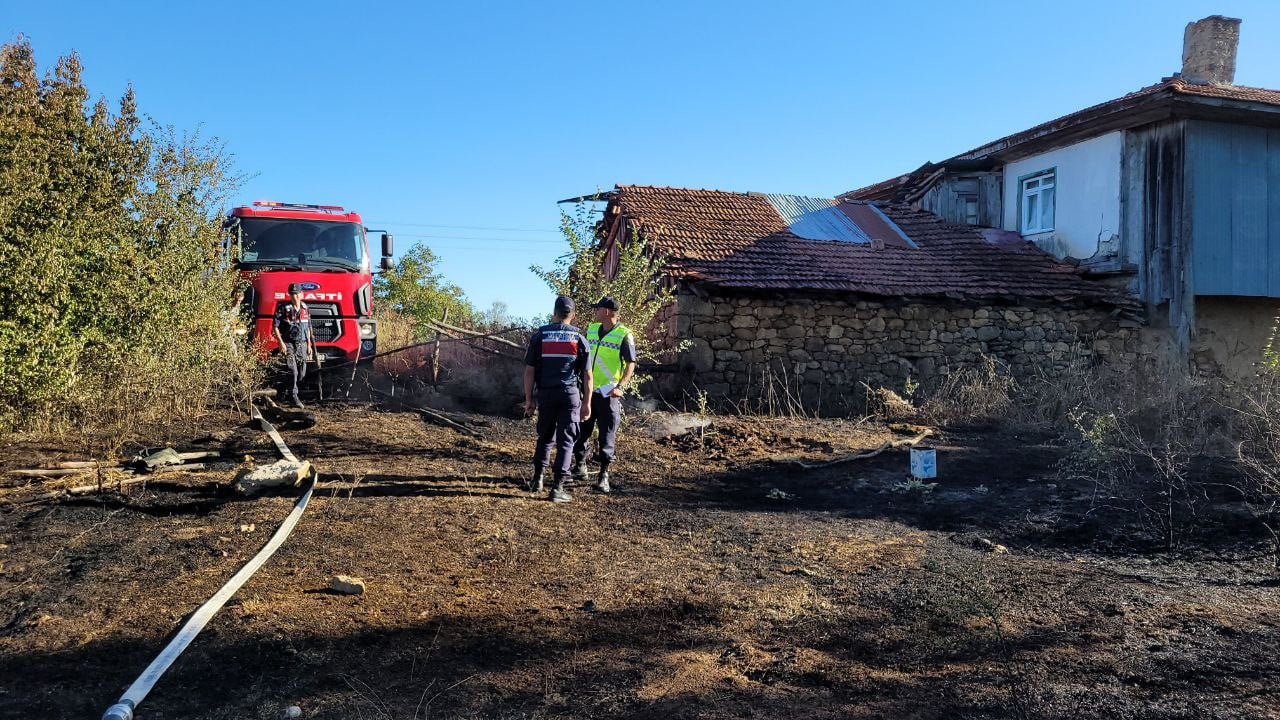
(924, 463)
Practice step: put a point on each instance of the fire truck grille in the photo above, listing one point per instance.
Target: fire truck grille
(325, 325)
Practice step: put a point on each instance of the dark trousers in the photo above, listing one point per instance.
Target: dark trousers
(606, 412)
(295, 354)
(557, 424)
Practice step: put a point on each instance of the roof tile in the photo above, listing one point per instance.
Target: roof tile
(737, 240)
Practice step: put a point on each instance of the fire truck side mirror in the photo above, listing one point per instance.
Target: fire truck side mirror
(388, 245)
(386, 264)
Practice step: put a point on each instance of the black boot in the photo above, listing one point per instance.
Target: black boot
(560, 493)
(602, 482)
(535, 482)
(579, 473)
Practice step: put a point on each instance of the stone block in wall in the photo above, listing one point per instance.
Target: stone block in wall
(723, 309)
(707, 330)
(742, 321)
(721, 343)
(876, 324)
(694, 305)
(744, 333)
(766, 333)
(699, 355)
(683, 325)
(798, 355)
(813, 344)
(768, 311)
(718, 389)
(793, 331)
(988, 332)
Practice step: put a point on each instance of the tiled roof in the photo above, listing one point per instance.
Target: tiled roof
(738, 241)
(1226, 92)
(1164, 90)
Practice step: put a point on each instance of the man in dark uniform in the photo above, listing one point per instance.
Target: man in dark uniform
(292, 328)
(556, 364)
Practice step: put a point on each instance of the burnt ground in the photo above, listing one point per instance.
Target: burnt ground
(716, 583)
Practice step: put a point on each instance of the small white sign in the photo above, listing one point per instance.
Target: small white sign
(924, 463)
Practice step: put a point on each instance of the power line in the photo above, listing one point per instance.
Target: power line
(480, 239)
(463, 227)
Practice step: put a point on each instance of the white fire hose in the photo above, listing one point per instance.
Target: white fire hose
(123, 709)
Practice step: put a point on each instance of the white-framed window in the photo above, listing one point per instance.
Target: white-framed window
(1037, 201)
(969, 209)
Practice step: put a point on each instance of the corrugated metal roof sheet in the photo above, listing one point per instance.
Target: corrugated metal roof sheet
(816, 218)
(876, 225)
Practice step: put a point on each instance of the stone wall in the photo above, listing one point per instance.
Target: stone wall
(823, 349)
(1231, 333)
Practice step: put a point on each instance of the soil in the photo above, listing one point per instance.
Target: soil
(719, 580)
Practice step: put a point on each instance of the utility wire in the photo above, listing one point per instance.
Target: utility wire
(463, 227)
(481, 239)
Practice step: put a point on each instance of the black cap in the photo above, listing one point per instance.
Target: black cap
(607, 302)
(295, 289)
(564, 305)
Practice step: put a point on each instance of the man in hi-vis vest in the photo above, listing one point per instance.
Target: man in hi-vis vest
(612, 363)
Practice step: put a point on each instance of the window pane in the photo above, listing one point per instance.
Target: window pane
(1046, 208)
(1047, 181)
(1031, 212)
(1030, 184)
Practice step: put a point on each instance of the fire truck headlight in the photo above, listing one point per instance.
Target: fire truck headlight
(368, 329)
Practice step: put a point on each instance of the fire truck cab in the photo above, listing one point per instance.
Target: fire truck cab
(325, 249)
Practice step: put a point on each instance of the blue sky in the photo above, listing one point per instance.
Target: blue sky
(460, 124)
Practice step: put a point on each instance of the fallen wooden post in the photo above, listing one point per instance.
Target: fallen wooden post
(887, 445)
(432, 415)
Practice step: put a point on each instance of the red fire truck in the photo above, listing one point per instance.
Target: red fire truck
(325, 249)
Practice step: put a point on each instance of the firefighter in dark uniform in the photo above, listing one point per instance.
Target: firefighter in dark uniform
(292, 328)
(613, 362)
(556, 364)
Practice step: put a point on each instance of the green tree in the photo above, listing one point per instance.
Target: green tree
(416, 289)
(635, 283)
(111, 301)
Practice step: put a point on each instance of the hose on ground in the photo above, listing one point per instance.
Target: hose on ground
(123, 709)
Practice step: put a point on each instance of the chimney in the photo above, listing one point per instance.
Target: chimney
(1209, 50)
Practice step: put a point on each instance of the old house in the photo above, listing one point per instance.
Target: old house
(820, 295)
(1171, 192)
(1140, 228)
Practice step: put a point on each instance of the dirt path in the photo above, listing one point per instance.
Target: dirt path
(714, 584)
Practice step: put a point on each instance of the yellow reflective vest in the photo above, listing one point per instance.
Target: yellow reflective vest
(606, 356)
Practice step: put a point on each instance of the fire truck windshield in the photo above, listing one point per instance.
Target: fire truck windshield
(306, 244)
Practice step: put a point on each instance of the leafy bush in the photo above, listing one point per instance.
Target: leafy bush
(112, 301)
(579, 274)
(415, 289)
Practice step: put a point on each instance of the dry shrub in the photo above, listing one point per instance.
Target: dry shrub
(771, 389)
(1258, 450)
(1142, 438)
(888, 405)
(396, 330)
(972, 394)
